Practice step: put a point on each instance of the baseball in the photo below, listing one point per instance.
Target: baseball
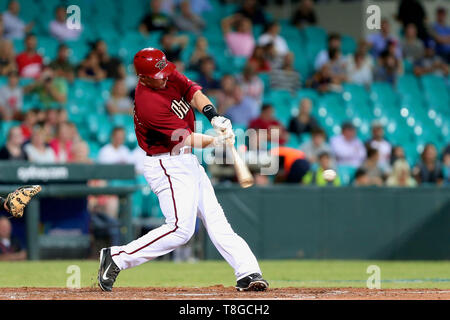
(329, 175)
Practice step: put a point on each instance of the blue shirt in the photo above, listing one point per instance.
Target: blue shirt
(442, 30)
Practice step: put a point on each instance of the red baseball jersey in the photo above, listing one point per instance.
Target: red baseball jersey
(164, 117)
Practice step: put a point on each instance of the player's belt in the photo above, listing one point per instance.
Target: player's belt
(184, 150)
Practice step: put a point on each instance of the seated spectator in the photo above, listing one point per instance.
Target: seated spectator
(11, 98)
(207, 78)
(303, 122)
(58, 27)
(7, 57)
(189, 21)
(243, 110)
(10, 248)
(226, 97)
(51, 90)
(119, 102)
(250, 83)
(276, 133)
(238, 35)
(115, 151)
(338, 66)
(430, 63)
(378, 142)
(429, 168)
(90, 68)
(29, 62)
(259, 61)
(440, 31)
(200, 52)
(13, 26)
(400, 175)
(304, 15)
(360, 69)
(412, 47)
(315, 176)
(13, 149)
(372, 167)
(322, 80)
(38, 151)
(80, 153)
(397, 153)
(172, 45)
(361, 178)
(61, 65)
(316, 145)
(272, 35)
(63, 142)
(378, 41)
(112, 66)
(446, 164)
(286, 78)
(252, 10)
(347, 147)
(388, 68)
(155, 20)
(334, 43)
(28, 123)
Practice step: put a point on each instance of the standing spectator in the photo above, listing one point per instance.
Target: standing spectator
(226, 97)
(267, 121)
(304, 15)
(347, 147)
(401, 175)
(272, 35)
(63, 142)
(378, 142)
(430, 63)
(119, 102)
(334, 43)
(429, 169)
(412, 47)
(58, 27)
(173, 45)
(379, 41)
(241, 41)
(251, 10)
(61, 65)
(259, 61)
(200, 52)
(303, 122)
(316, 145)
(13, 26)
(373, 168)
(13, 149)
(412, 12)
(155, 20)
(115, 151)
(10, 248)
(90, 68)
(315, 176)
(11, 98)
(251, 84)
(7, 57)
(243, 110)
(37, 151)
(207, 77)
(112, 66)
(286, 78)
(29, 62)
(440, 31)
(187, 20)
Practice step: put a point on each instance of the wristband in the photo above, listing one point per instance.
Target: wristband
(210, 112)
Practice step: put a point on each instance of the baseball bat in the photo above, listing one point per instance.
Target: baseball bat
(245, 178)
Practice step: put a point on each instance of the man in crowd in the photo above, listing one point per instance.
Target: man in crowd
(347, 147)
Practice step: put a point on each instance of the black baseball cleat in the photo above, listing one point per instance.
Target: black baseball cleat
(252, 282)
(108, 271)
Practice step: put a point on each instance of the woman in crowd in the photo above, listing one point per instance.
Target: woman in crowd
(13, 150)
(429, 169)
(38, 151)
(401, 175)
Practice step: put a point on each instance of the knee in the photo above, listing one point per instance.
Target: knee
(185, 232)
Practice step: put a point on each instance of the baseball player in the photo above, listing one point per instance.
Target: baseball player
(16, 201)
(164, 125)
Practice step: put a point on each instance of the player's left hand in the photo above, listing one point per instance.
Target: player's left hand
(221, 124)
(225, 138)
(16, 201)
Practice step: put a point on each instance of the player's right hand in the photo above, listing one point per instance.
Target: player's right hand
(221, 124)
(227, 138)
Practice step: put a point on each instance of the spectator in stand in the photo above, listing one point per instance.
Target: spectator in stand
(361, 178)
(338, 66)
(430, 63)
(207, 78)
(322, 80)
(286, 78)
(440, 32)
(259, 61)
(252, 10)
(200, 52)
(80, 152)
(250, 83)
(29, 62)
(429, 169)
(90, 68)
(226, 96)
(378, 42)
(50, 120)
(61, 65)
(200, 6)
(13, 149)
(276, 133)
(13, 26)
(388, 68)
(397, 153)
(119, 102)
(358, 71)
(7, 57)
(303, 122)
(62, 144)
(155, 20)
(115, 151)
(378, 142)
(334, 43)
(347, 147)
(58, 27)
(316, 145)
(412, 12)
(244, 109)
(11, 98)
(304, 15)
(272, 35)
(315, 176)
(28, 123)
(373, 168)
(238, 35)
(446, 164)
(10, 248)
(112, 66)
(401, 175)
(38, 151)
(189, 21)
(412, 48)
(173, 45)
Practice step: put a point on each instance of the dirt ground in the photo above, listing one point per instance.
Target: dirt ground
(220, 292)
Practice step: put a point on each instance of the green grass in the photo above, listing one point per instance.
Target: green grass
(286, 273)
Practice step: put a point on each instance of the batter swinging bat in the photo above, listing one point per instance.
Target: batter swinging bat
(243, 174)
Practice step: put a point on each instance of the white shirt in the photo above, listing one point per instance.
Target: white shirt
(14, 27)
(280, 44)
(363, 75)
(384, 150)
(110, 155)
(350, 153)
(11, 98)
(59, 31)
(35, 155)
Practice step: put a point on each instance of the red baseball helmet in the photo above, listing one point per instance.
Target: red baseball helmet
(153, 63)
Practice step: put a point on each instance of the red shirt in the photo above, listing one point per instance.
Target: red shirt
(29, 65)
(158, 113)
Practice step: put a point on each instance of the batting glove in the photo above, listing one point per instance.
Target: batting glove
(221, 124)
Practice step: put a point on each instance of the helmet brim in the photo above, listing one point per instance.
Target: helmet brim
(164, 73)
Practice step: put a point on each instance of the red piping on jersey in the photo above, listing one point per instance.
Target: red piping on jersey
(176, 218)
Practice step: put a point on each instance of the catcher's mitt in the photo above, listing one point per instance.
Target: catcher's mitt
(16, 201)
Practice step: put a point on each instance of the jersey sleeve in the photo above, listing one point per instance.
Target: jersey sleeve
(187, 86)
